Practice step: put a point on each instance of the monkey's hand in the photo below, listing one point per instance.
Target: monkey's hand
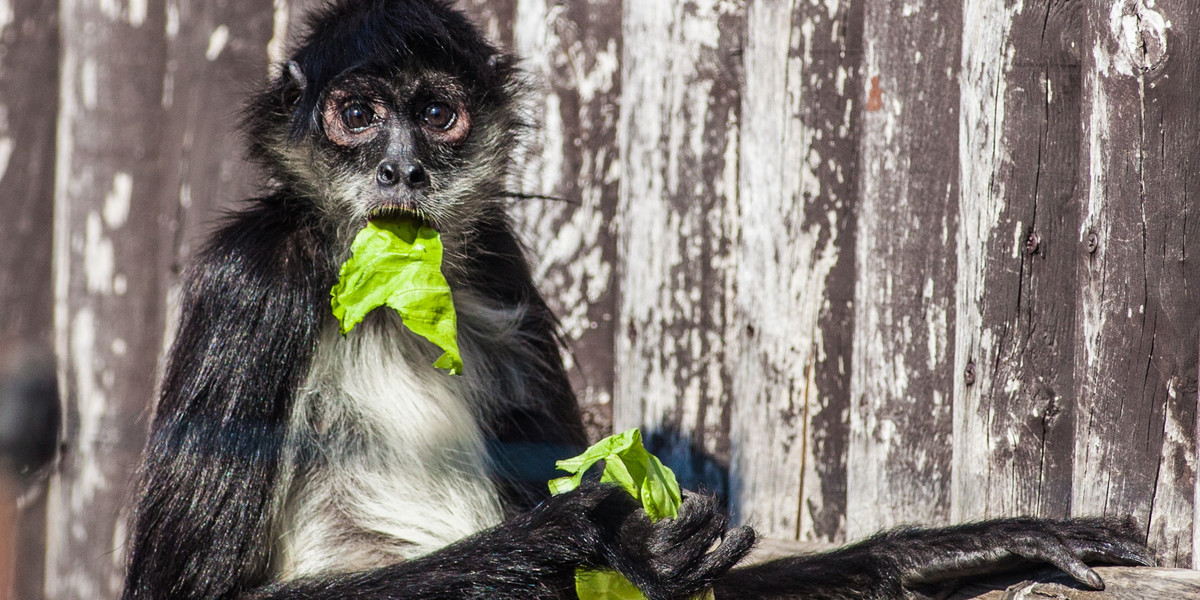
(995, 546)
(669, 559)
(890, 564)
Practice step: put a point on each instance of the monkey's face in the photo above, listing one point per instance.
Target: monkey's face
(414, 144)
(391, 107)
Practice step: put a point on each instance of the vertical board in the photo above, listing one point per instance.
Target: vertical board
(147, 153)
(899, 457)
(572, 52)
(28, 106)
(28, 93)
(215, 55)
(678, 193)
(793, 260)
(108, 290)
(1013, 426)
(1135, 447)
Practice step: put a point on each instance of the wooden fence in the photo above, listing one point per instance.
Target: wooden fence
(850, 263)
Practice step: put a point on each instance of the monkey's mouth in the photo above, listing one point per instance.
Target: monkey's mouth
(399, 211)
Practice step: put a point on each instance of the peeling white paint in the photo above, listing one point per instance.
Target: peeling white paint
(7, 15)
(89, 80)
(110, 8)
(172, 25)
(279, 32)
(100, 263)
(987, 57)
(118, 200)
(1018, 240)
(217, 42)
(92, 403)
(137, 12)
(6, 150)
(185, 195)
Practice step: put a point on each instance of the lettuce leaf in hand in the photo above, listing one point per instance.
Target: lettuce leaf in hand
(628, 464)
(398, 263)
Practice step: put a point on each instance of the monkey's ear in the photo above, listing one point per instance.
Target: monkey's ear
(294, 83)
(502, 65)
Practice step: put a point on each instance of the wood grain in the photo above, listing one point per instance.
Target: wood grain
(1120, 583)
(677, 209)
(904, 316)
(141, 169)
(792, 264)
(574, 62)
(29, 51)
(1013, 430)
(1136, 364)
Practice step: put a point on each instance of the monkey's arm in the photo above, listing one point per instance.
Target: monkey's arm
(883, 566)
(533, 556)
(207, 482)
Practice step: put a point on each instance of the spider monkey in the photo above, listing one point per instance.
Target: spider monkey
(286, 460)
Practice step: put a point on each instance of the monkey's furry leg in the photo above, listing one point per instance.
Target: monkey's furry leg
(884, 566)
(534, 555)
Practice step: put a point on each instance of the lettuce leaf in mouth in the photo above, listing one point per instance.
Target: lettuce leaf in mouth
(628, 464)
(397, 262)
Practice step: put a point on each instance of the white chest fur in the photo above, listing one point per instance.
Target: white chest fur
(388, 460)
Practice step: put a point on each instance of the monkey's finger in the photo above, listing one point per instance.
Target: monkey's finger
(737, 544)
(1112, 551)
(1061, 557)
(700, 523)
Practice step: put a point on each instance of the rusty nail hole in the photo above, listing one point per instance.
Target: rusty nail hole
(750, 331)
(1093, 242)
(969, 374)
(1032, 243)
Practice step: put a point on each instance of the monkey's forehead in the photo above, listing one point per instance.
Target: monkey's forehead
(381, 36)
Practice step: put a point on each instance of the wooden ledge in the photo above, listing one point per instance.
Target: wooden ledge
(1120, 583)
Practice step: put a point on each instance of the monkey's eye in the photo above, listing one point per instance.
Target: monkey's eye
(357, 117)
(438, 116)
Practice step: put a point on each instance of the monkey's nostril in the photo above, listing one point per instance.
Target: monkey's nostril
(416, 176)
(388, 174)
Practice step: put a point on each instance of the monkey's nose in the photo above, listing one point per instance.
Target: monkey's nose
(391, 173)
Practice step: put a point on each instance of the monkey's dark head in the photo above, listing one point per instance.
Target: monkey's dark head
(391, 106)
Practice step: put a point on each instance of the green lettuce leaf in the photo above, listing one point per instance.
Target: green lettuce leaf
(628, 464)
(398, 263)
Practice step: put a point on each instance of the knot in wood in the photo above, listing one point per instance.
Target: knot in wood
(1139, 33)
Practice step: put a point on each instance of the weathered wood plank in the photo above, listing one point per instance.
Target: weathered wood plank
(573, 53)
(793, 263)
(28, 112)
(678, 192)
(1137, 362)
(216, 51)
(1120, 583)
(108, 293)
(1014, 426)
(151, 96)
(902, 372)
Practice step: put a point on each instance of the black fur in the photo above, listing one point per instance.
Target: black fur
(216, 472)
